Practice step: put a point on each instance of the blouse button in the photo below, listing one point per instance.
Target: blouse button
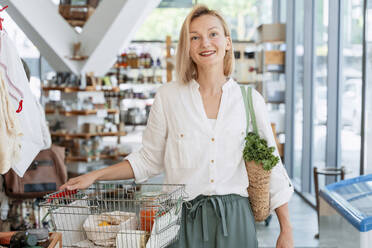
(212, 161)
(212, 139)
(242, 133)
(212, 181)
(181, 135)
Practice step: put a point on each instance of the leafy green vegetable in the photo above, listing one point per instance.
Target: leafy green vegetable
(256, 149)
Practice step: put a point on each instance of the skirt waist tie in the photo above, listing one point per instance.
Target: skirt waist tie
(218, 208)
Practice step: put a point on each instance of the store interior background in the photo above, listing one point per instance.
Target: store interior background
(322, 118)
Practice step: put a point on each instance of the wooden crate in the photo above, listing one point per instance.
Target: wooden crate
(274, 57)
(271, 58)
(271, 32)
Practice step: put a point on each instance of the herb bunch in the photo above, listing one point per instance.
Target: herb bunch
(256, 149)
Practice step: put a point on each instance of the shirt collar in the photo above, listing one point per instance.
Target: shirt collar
(229, 83)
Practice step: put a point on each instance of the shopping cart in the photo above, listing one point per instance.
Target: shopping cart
(122, 215)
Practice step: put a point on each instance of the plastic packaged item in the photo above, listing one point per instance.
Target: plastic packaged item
(42, 234)
(102, 229)
(131, 239)
(23, 239)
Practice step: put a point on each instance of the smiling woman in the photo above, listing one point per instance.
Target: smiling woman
(204, 33)
(196, 133)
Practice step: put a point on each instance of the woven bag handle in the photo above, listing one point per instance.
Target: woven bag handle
(249, 111)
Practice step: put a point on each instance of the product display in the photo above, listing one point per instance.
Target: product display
(245, 63)
(270, 67)
(80, 116)
(141, 63)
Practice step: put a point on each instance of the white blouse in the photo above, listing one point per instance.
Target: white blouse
(180, 141)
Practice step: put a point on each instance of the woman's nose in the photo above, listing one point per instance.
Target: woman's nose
(205, 42)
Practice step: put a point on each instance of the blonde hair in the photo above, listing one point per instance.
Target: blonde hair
(185, 66)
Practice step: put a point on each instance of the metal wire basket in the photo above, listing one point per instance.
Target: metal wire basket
(119, 214)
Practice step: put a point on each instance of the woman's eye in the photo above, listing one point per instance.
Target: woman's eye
(214, 34)
(194, 38)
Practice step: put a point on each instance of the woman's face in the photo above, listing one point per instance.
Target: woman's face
(208, 43)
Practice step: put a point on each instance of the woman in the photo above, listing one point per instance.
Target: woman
(195, 134)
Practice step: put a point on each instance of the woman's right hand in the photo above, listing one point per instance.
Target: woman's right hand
(80, 182)
(119, 171)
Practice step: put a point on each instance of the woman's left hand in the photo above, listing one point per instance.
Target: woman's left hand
(285, 239)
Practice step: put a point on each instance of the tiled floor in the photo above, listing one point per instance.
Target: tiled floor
(304, 224)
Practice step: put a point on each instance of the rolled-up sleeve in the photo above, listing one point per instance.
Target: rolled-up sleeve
(281, 187)
(148, 161)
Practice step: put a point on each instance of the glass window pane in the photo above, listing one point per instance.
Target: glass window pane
(299, 78)
(242, 16)
(320, 81)
(162, 22)
(368, 130)
(351, 90)
(283, 11)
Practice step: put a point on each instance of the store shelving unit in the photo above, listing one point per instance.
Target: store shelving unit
(72, 133)
(77, 89)
(270, 59)
(81, 112)
(70, 136)
(88, 159)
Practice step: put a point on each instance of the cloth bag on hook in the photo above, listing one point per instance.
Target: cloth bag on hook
(29, 115)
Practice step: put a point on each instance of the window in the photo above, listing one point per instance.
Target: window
(298, 86)
(351, 87)
(368, 131)
(320, 85)
(242, 16)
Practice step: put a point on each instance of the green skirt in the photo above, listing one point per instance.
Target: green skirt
(218, 221)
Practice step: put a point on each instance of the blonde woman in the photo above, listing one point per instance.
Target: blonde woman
(195, 135)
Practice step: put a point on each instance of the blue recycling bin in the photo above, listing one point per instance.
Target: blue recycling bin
(345, 214)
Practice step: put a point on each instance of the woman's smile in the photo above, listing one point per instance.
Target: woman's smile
(207, 53)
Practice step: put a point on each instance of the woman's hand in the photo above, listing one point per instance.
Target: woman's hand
(285, 239)
(80, 182)
(119, 171)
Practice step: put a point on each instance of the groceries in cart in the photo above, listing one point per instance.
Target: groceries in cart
(117, 215)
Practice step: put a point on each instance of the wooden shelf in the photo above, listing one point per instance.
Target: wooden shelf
(76, 23)
(275, 42)
(81, 112)
(247, 82)
(77, 58)
(91, 158)
(77, 89)
(49, 111)
(69, 136)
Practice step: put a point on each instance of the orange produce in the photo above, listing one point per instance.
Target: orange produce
(147, 218)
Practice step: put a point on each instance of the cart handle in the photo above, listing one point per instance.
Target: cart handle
(61, 194)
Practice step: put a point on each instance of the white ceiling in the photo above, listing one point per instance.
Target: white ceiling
(110, 28)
